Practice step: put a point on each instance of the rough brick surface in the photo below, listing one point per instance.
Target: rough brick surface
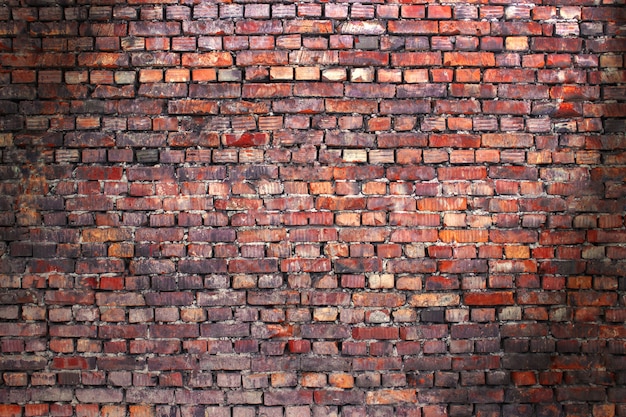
(272, 208)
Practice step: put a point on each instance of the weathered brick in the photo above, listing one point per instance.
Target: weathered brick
(489, 298)
(198, 266)
(214, 91)
(462, 173)
(289, 397)
(421, 90)
(520, 173)
(391, 397)
(475, 59)
(434, 299)
(412, 27)
(162, 161)
(362, 28)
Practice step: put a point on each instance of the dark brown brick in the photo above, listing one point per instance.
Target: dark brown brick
(204, 266)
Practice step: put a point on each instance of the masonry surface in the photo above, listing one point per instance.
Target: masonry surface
(312, 209)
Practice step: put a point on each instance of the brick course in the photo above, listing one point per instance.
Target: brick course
(306, 209)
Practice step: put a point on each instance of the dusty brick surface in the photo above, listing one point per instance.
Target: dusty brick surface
(318, 208)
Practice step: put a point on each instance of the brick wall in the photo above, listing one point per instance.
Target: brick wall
(312, 209)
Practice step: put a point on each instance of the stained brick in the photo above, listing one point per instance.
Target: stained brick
(410, 27)
(357, 265)
(153, 28)
(421, 90)
(192, 107)
(556, 44)
(476, 59)
(214, 91)
(289, 397)
(363, 58)
(391, 397)
(514, 172)
(489, 298)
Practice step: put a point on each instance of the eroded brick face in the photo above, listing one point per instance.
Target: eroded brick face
(307, 209)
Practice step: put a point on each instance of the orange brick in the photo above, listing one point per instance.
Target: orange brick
(313, 380)
(113, 411)
(341, 380)
(150, 75)
(178, 75)
(517, 251)
(204, 74)
(141, 411)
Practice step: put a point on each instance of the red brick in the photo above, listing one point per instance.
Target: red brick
(246, 266)
(561, 238)
(303, 106)
(411, 266)
(245, 140)
(412, 173)
(442, 204)
(250, 27)
(214, 91)
(556, 44)
(407, 235)
(464, 236)
(73, 363)
(509, 75)
(351, 106)
(266, 90)
(458, 106)
(464, 28)
(87, 410)
(401, 140)
(517, 172)
(416, 59)
(471, 59)
(378, 300)
(380, 333)
(489, 298)
(521, 92)
(69, 297)
(462, 173)
(103, 59)
(421, 90)
(308, 26)
(506, 107)
(606, 236)
(457, 141)
(413, 11)
(357, 265)
(305, 265)
(463, 266)
(247, 58)
(199, 107)
(404, 106)
(36, 409)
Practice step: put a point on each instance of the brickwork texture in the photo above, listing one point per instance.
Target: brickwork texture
(282, 208)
